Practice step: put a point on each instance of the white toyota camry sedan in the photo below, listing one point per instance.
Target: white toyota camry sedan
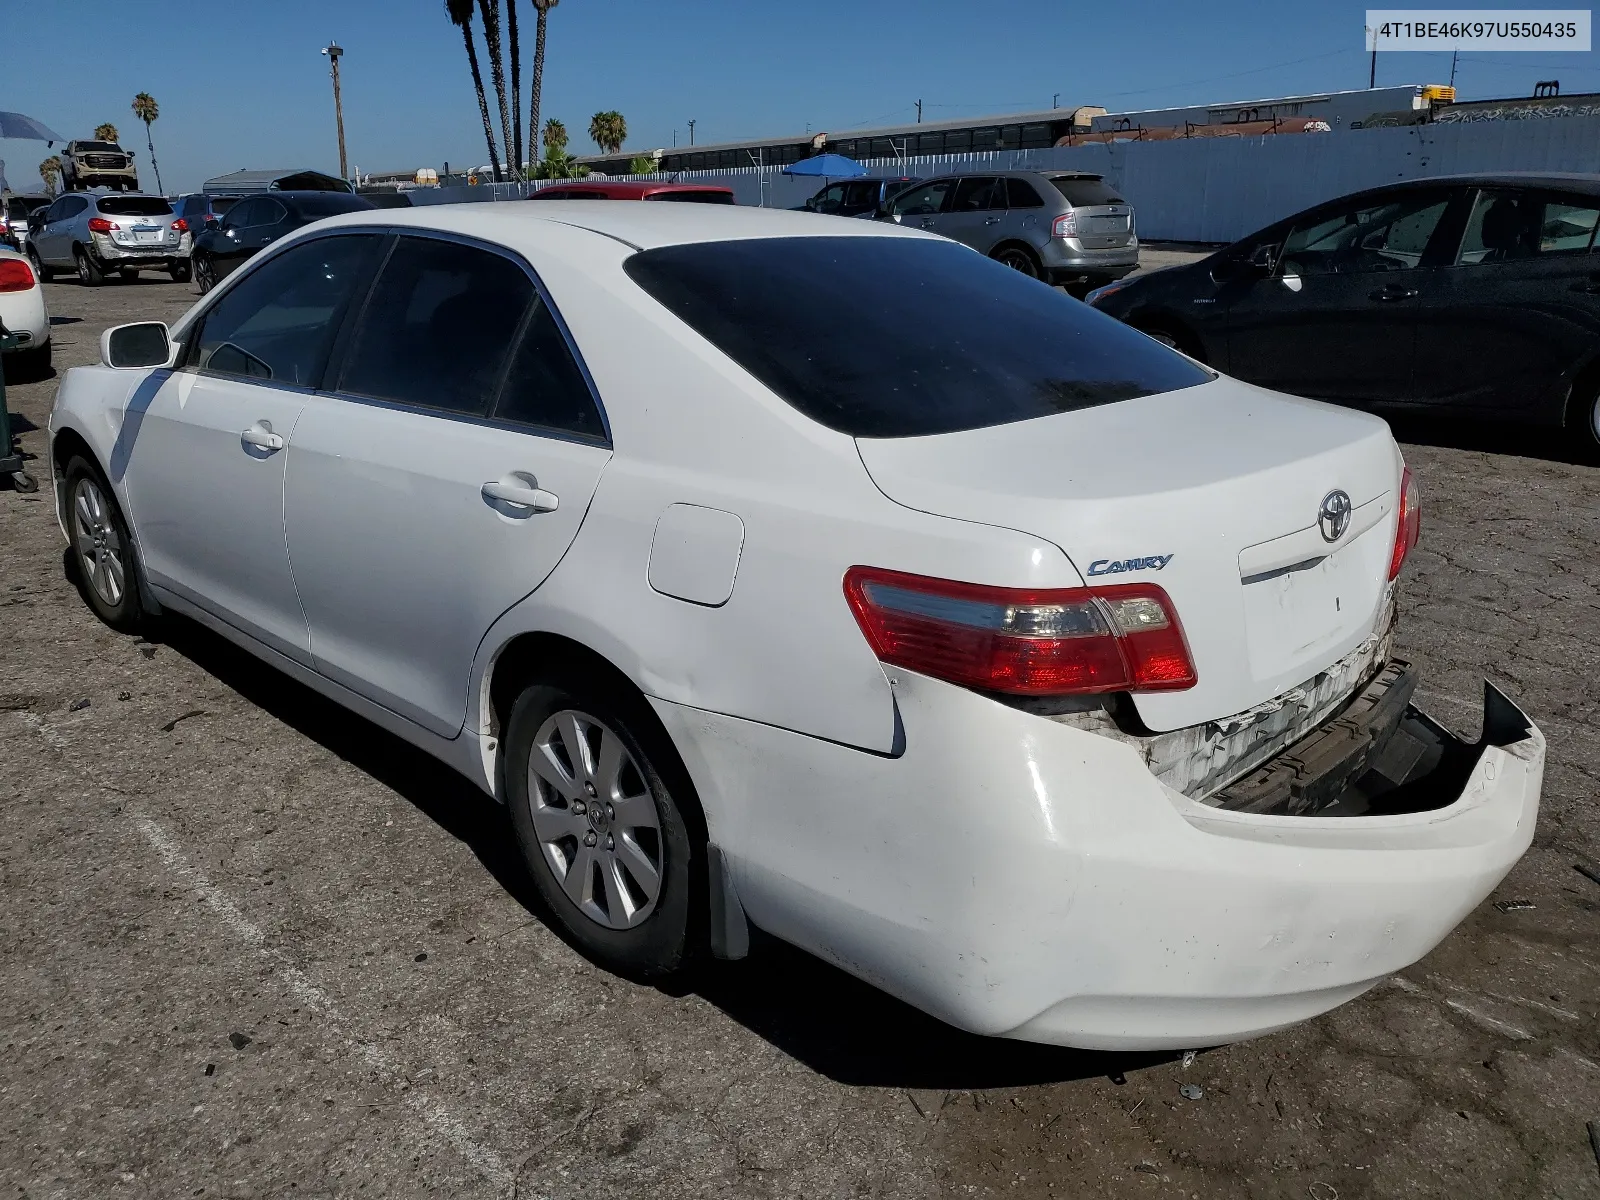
(825, 577)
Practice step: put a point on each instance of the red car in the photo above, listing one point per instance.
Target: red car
(687, 193)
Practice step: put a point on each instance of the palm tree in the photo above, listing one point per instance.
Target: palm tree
(555, 136)
(460, 13)
(50, 172)
(608, 130)
(147, 110)
(106, 133)
(516, 86)
(643, 164)
(490, 10)
(543, 8)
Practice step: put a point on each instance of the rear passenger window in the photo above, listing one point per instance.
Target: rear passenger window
(545, 388)
(438, 327)
(977, 193)
(1020, 194)
(1511, 225)
(278, 322)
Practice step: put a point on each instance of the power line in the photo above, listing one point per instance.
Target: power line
(1235, 75)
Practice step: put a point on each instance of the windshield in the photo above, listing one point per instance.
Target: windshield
(1084, 192)
(112, 146)
(897, 337)
(134, 206)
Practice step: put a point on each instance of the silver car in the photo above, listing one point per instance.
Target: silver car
(1065, 227)
(94, 235)
(14, 212)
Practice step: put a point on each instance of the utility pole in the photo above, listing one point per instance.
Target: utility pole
(1453, 59)
(333, 51)
(919, 112)
(1055, 101)
(691, 133)
(1372, 75)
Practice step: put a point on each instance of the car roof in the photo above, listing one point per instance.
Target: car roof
(641, 226)
(1571, 181)
(632, 190)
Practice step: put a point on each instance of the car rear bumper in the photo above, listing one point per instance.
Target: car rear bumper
(24, 313)
(1022, 878)
(155, 254)
(1066, 261)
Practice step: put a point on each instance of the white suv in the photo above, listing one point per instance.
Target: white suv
(826, 576)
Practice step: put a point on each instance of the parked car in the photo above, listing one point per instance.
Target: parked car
(86, 165)
(200, 211)
(826, 576)
(95, 235)
(23, 314)
(1066, 228)
(258, 221)
(599, 189)
(858, 197)
(14, 213)
(388, 199)
(1476, 296)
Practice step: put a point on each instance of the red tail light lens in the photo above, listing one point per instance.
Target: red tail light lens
(1408, 529)
(1070, 641)
(100, 225)
(1065, 226)
(15, 275)
(180, 225)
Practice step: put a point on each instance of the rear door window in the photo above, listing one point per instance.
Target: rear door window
(544, 388)
(1508, 225)
(897, 337)
(277, 323)
(438, 327)
(1085, 193)
(978, 193)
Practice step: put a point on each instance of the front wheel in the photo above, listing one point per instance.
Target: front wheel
(45, 274)
(102, 550)
(602, 829)
(1583, 420)
(205, 272)
(89, 271)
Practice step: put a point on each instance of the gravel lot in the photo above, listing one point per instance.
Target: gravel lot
(252, 946)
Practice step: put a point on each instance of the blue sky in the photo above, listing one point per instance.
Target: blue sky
(241, 83)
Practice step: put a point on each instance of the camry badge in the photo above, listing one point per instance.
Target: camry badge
(1333, 518)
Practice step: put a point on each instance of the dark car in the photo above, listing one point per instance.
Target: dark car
(599, 189)
(858, 197)
(1476, 296)
(257, 221)
(201, 211)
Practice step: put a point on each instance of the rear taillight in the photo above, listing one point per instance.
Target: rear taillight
(1070, 641)
(1408, 528)
(15, 275)
(1065, 226)
(100, 225)
(180, 226)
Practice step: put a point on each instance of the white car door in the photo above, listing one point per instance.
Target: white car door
(203, 458)
(442, 479)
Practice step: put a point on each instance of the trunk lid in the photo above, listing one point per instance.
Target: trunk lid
(1214, 493)
(1104, 226)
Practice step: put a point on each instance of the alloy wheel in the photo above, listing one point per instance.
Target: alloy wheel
(1018, 261)
(99, 546)
(596, 819)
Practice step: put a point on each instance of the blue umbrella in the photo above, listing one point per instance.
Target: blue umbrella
(16, 125)
(833, 166)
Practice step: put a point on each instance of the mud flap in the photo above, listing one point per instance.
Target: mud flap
(730, 932)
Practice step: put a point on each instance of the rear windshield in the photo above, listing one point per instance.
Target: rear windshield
(134, 206)
(705, 197)
(27, 204)
(1081, 192)
(327, 204)
(897, 337)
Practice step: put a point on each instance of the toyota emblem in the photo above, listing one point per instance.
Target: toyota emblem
(1333, 518)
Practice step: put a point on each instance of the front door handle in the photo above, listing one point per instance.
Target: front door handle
(927, 222)
(1394, 291)
(991, 220)
(260, 436)
(534, 499)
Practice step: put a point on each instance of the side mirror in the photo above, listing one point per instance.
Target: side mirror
(895, 217)
(131, 347)
(1264, 259)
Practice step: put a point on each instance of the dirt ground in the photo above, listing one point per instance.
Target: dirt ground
(253, 946)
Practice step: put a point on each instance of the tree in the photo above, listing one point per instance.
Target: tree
(490, 11)
(543, 8)
(106, 133)
(460, 13)
(147, 110)
(50, 172)
(516, 86)
(643, 164)
(608, 131)
(555, 137)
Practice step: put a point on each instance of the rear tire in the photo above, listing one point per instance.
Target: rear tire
(181, 272)
(1020, 259)
(103, 554)
(624, 880)
(90, 273)
(129, 275)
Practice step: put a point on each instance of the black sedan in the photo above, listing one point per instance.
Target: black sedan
(256, 222)
(1477, 296)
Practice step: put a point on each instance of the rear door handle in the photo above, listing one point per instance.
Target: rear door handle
(991, 220)
(533, 499)
(260, 436)
(1394, 291)
(927, 222)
